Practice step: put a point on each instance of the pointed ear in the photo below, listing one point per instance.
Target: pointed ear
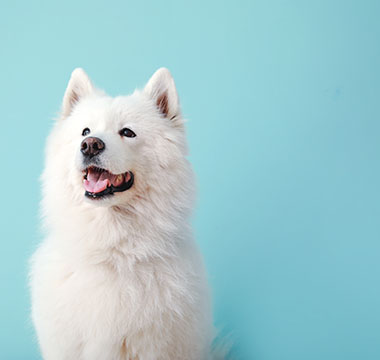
(162, 90)
(79, 86)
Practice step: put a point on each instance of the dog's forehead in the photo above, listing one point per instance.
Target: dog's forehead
(131, 108)
(114, 111)
(92, 109)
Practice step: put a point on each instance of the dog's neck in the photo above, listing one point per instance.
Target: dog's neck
(150, 226)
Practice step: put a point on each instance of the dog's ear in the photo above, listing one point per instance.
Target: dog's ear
(79, 86)
(161, 88)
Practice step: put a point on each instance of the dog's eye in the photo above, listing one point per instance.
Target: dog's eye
(85, 131)
(127, 132)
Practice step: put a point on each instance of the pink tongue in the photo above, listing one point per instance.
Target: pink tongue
(96, 182)
(99, 181)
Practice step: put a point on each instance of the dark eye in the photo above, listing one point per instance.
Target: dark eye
(85, 131)
(127, 132)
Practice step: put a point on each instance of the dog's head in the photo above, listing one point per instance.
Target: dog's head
(107, 151)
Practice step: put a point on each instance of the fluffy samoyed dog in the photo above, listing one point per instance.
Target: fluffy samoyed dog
(118, 275)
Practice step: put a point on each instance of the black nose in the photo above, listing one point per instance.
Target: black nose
(92, 146)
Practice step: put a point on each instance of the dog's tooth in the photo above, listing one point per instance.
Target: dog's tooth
(118, 179)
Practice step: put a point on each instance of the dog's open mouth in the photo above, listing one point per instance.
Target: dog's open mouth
(100, 182)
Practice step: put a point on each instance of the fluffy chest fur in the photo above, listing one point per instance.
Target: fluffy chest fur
(134, 298)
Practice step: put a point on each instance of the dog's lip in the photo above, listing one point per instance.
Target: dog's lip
(99, 182)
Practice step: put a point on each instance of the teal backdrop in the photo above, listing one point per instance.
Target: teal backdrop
(283, 103)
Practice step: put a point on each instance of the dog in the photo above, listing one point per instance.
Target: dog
(118, 275)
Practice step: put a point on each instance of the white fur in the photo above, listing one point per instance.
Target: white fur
(120, 278)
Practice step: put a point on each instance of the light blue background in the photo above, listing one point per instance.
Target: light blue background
(283, 102)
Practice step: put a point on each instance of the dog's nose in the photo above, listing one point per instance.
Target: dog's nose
(92, 146)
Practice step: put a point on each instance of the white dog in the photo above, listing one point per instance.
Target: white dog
(118, 275)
